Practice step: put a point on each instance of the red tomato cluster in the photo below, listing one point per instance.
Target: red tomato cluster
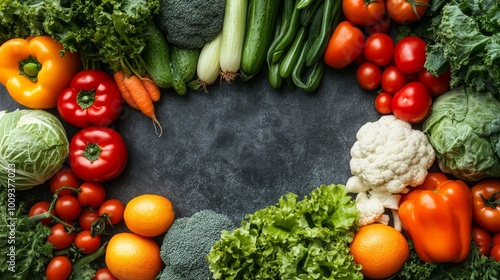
(394, 69)
(78, 217)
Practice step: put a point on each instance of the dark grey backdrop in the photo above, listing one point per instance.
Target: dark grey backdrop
(241, 146)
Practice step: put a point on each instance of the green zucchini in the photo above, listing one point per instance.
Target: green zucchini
(261, 18)
(156, 57)
(184, 62)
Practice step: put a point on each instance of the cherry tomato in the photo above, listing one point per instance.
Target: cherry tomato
(91, 194)
(68, 208)
(482, 238)
(60, 238)
(495, 252)
(59, 268)
(86, 243)
(86, 219)
(404, 11)
(369, 75)
(379, 49)
(412, 103)
(436, 85)
(104, 274)
(344, 46)
(383, 103)
(64, 178)
(40, 208)
(392, 80)
(113, 209)
(381, 26)
(409, 54)
(363, 12)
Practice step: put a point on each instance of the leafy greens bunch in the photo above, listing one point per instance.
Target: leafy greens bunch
(463, 35)
(307, 239)
(111, 32)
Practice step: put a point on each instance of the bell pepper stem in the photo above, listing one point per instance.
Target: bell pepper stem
(29, 68)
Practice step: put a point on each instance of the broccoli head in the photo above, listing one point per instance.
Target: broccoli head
(191, 24)
(187, 243)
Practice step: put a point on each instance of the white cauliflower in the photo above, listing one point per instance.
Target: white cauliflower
(388, 156)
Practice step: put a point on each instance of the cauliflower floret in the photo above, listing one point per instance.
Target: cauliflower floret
(389, 155)
(371, 206)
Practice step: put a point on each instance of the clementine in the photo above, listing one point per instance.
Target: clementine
(149, 215)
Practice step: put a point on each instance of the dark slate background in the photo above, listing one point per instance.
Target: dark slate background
(240, 146)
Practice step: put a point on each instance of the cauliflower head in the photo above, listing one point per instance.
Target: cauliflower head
(388, 156)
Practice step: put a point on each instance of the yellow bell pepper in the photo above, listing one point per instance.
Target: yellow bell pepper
(35, 70)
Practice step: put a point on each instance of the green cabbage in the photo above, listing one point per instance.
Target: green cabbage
(33, 147)
(464, 128)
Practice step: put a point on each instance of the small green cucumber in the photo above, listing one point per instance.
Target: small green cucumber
(156, 57)
(261, 19)
(184, 63)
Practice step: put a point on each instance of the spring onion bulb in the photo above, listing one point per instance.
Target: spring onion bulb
(208, 68)
(233, 37)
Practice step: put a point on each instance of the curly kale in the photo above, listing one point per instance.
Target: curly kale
(187, 243)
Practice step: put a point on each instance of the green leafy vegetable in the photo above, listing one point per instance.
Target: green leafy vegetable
(24, 252)
(293, 239)
(463, 35)
(111, 32)
(33, 147)
(464, 129)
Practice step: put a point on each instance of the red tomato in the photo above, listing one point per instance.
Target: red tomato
(87, 218)
(436, 85)
(97, 154)
(404, 11)
(482, 238)
(91, 194)
(412, 103)
(59, 268)
(104, 274)
(369, 75)
(392, 80)
(60, 238)
(495, 252)
(86, 243)
(496, 239)
(381, 26)
(344, 46)
(486, 209)
(379, 49)
(409, 54)
(40, 208)
(113, 209)
(68, 208)
(363, 12)
(383, 103)
(64, 178)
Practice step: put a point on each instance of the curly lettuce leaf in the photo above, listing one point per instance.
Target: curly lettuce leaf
(306, 239)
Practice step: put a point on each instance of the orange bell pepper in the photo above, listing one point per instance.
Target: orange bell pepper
(439, 220)
(35, 70)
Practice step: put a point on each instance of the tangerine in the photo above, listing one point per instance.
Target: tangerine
(130, 256)
(380, 249)
(149, 215)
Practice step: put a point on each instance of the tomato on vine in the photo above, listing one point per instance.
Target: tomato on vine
(68, 208)
(406, 11)
(86, 243)
(103, 273)
(59, 267)
(363, 12)
(60, 237)
(64, 178)
(113, 209)
(40, 208)
(86, 219)
(91, 194)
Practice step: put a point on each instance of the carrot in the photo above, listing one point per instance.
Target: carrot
(120, 82)
(141, 97)
(152, 88)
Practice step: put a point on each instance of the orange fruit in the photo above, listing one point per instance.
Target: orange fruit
(380, 249)
(149, 215)
(133, 257)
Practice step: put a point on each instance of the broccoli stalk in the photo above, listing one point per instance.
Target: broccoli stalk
(188, 242)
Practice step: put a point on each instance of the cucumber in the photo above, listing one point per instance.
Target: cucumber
(261, 18)
(184, 62)
(156, 56)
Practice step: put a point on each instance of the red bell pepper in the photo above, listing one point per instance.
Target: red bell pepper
(97, 154)
(93, 98)
(439, 221)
